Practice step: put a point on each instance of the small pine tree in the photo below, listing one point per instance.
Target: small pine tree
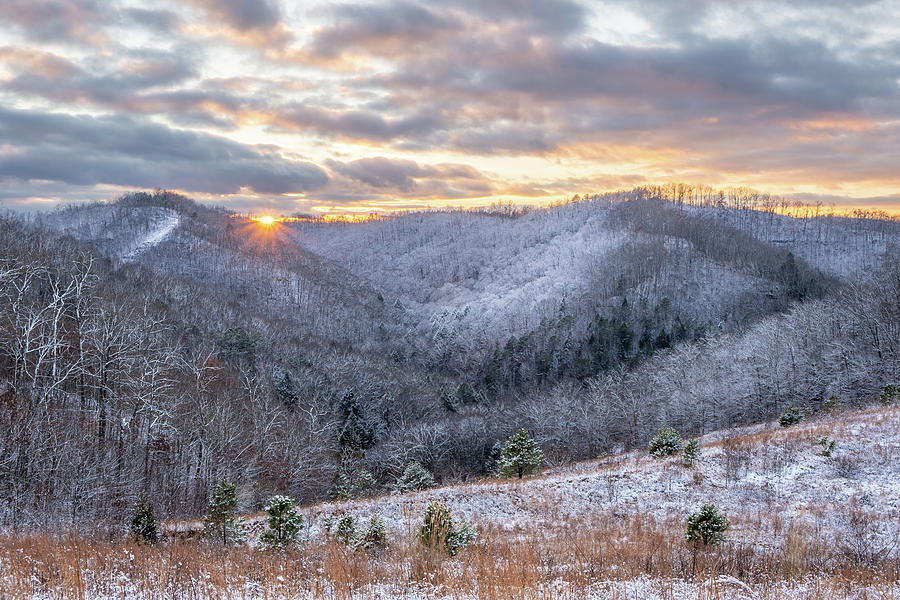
(364, 485)
(440, 531)
(691, 453)
(287, 391)
(707, 526)
(143, 523)
(220, 522)
(283, 525)
(828, 446)
(666, 443)
(520, 456)
(792, 415)
(345, 531)
(833, 404)
(374, 538)
(340, 486)
(415, 477)
(890, 395)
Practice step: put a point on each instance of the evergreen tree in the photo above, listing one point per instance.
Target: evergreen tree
(792, 415)
(143, 523)
(707, 526)
(448, 400)
(356, 432)
(345, 531)
(890, 395)
(340, 486)
(466, 394)
(520, 456)
(374, 538)
(283, 525)
(287, 391)
(364, 485)
(666, 443)
(691, 452)
(415, 477)
(220, 522)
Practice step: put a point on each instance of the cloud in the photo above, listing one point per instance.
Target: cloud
(54, 76)
(242, 15)
(56, 20)
(644, 90)
(387, 178)
(82, 150)
(153, 19)
(381, 29)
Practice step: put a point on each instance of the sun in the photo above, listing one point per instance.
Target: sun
(267, 220)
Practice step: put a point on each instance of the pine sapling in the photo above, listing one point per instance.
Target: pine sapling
(374, 538)
(415, 477)
(345, 531)
(691, 454)
(707, 526)
(828, 446)
(283, 526)
(220, 521)
(440, 531)
(792, 415)
(890, 395)
(143, 523)
(520, 456)
(666, 443)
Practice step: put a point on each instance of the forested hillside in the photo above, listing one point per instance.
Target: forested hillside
(154, 345)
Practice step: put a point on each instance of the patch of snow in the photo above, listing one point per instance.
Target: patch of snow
(155, 237)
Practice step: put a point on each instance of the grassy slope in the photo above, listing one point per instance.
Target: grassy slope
(803, 526)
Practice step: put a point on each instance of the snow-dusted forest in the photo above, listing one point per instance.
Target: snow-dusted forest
(153, 345)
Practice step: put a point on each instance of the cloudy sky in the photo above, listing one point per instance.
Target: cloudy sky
(273, 105)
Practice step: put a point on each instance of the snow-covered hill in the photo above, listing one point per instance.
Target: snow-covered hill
(762, 477)
(802, 526)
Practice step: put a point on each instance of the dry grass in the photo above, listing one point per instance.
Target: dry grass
(577, 558)
(614, 546)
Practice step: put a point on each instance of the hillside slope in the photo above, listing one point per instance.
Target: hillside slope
(803, 526)
(278, 356)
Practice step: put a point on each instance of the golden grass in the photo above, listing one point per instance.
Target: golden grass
(576, 558)
(823, 553)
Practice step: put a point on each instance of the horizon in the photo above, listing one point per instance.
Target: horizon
(270, 108)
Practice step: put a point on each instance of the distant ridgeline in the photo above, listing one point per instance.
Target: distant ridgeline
(153, 345)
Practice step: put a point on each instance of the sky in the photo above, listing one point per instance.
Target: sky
(284, 107)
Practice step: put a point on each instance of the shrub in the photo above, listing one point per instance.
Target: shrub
(340, 486)
(374, 538)
(707, 526)
(345, 530)
(827, 445)
(833, 404)
(520, 456)
(439, 530)
(890, 395)
(792, 415)
(143, 523)
(415, 477)
(364, 485)
(666, 443)
(283, 525)
(691, 452)
(846, 466)
(220, 522)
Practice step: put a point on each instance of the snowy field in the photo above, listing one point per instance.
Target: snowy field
(804, 525)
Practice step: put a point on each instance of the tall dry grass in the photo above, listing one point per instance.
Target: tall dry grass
(597, 556)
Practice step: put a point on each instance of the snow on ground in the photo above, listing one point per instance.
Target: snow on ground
(756, 475)
(762, 471)
(161, 231)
